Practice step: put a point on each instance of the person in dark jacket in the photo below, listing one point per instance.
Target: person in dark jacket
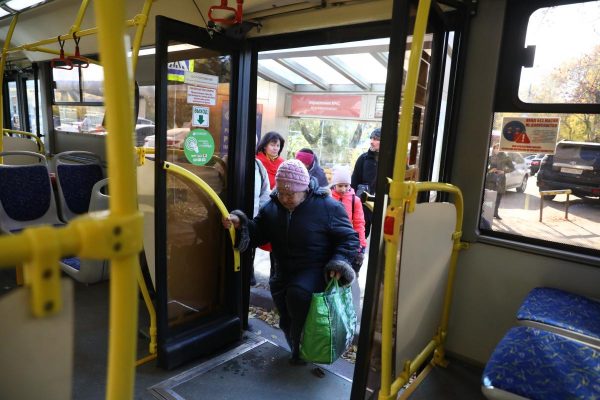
(364, 176)
(311, 162)
(312, 240)
(499, 165)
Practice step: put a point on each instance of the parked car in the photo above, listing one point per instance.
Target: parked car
(517, 179)
(575, 166)
(533, 162)
(175, 138)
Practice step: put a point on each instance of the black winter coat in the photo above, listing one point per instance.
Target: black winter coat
(316, 232)
(365, 171)
(317, 172)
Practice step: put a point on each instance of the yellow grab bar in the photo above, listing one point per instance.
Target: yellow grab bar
(42, 149)
(399, 195)
(215, 197)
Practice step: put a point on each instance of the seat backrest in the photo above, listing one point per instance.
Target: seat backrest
(76, 174)
(10, 143)
(26, 196)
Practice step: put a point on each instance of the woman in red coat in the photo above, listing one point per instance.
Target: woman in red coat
(268, 152)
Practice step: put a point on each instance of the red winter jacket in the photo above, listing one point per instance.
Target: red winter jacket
(358, 217)
(270, 165)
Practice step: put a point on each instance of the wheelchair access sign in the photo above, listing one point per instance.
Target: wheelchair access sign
(199, 147)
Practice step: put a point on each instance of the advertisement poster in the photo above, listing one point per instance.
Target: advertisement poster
(326, 105)
(529, 134)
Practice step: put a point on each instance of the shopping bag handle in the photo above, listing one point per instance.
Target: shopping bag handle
(333, 284)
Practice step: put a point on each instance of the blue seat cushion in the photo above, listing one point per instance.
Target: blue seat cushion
(25, 191)
(562, 309)
(538, 364)
(72, 262)
(76, 182)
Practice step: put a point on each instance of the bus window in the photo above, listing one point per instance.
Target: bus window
(78, 99)
(565, 68)
(542, 181)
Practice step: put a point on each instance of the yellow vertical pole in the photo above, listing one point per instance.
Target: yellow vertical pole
(139, 32)
(5, 48)
(398, 198)
(110, 15)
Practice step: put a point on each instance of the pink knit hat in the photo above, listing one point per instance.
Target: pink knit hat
(292, 176)
(306, 157)
(341, 174)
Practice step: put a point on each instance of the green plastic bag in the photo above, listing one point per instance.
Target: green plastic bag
(330, 325)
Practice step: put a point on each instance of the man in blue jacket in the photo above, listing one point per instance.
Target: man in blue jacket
(312, 240)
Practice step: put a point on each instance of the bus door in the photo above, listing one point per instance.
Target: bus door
(198, 287)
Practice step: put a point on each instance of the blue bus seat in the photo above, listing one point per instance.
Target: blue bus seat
(26, 195)
(531, 363)
(76, 174)
(565, 313)
(91, 271)
(27, 199)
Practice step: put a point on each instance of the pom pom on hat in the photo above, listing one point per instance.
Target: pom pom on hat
(341, 174)
(292, 176)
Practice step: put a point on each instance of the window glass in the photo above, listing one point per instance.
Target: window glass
(81, 119)
(66, 85)
(92, 79)
(30, 84)
(13, 102)
(197, 138)
(567, 50)
(526, 190)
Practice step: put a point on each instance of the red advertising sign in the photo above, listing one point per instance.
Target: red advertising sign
(326, 105)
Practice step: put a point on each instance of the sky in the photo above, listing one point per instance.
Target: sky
(562, 33)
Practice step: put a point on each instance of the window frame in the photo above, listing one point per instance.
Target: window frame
(514, 56)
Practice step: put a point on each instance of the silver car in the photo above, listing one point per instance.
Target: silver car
(517, 179)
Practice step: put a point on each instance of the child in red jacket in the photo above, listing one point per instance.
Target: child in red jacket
(341, 191)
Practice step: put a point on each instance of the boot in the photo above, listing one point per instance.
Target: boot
(295, 358)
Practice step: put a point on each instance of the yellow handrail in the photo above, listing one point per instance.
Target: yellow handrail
(7, 40)
(215, 197)
(116, 234)
(436, 345)
(399, 195)
(42, 149)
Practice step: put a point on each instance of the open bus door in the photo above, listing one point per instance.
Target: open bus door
(198, 287)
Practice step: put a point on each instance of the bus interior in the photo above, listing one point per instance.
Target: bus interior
(130, 130)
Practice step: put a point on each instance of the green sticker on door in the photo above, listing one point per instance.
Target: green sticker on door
(199, 146)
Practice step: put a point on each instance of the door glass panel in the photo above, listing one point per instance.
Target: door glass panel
(15, 123)
(197, 138)
(30, 85)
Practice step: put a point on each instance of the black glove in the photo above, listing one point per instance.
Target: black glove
(358, 261)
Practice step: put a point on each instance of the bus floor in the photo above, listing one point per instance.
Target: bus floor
(256, 368)
(262, 372)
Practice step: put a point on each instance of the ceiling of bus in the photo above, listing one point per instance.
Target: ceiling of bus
(56, 17)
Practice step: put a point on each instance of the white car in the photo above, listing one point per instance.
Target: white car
(517, 179)
(175, 138)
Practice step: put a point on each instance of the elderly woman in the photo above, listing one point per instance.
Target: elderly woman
(312, 240)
